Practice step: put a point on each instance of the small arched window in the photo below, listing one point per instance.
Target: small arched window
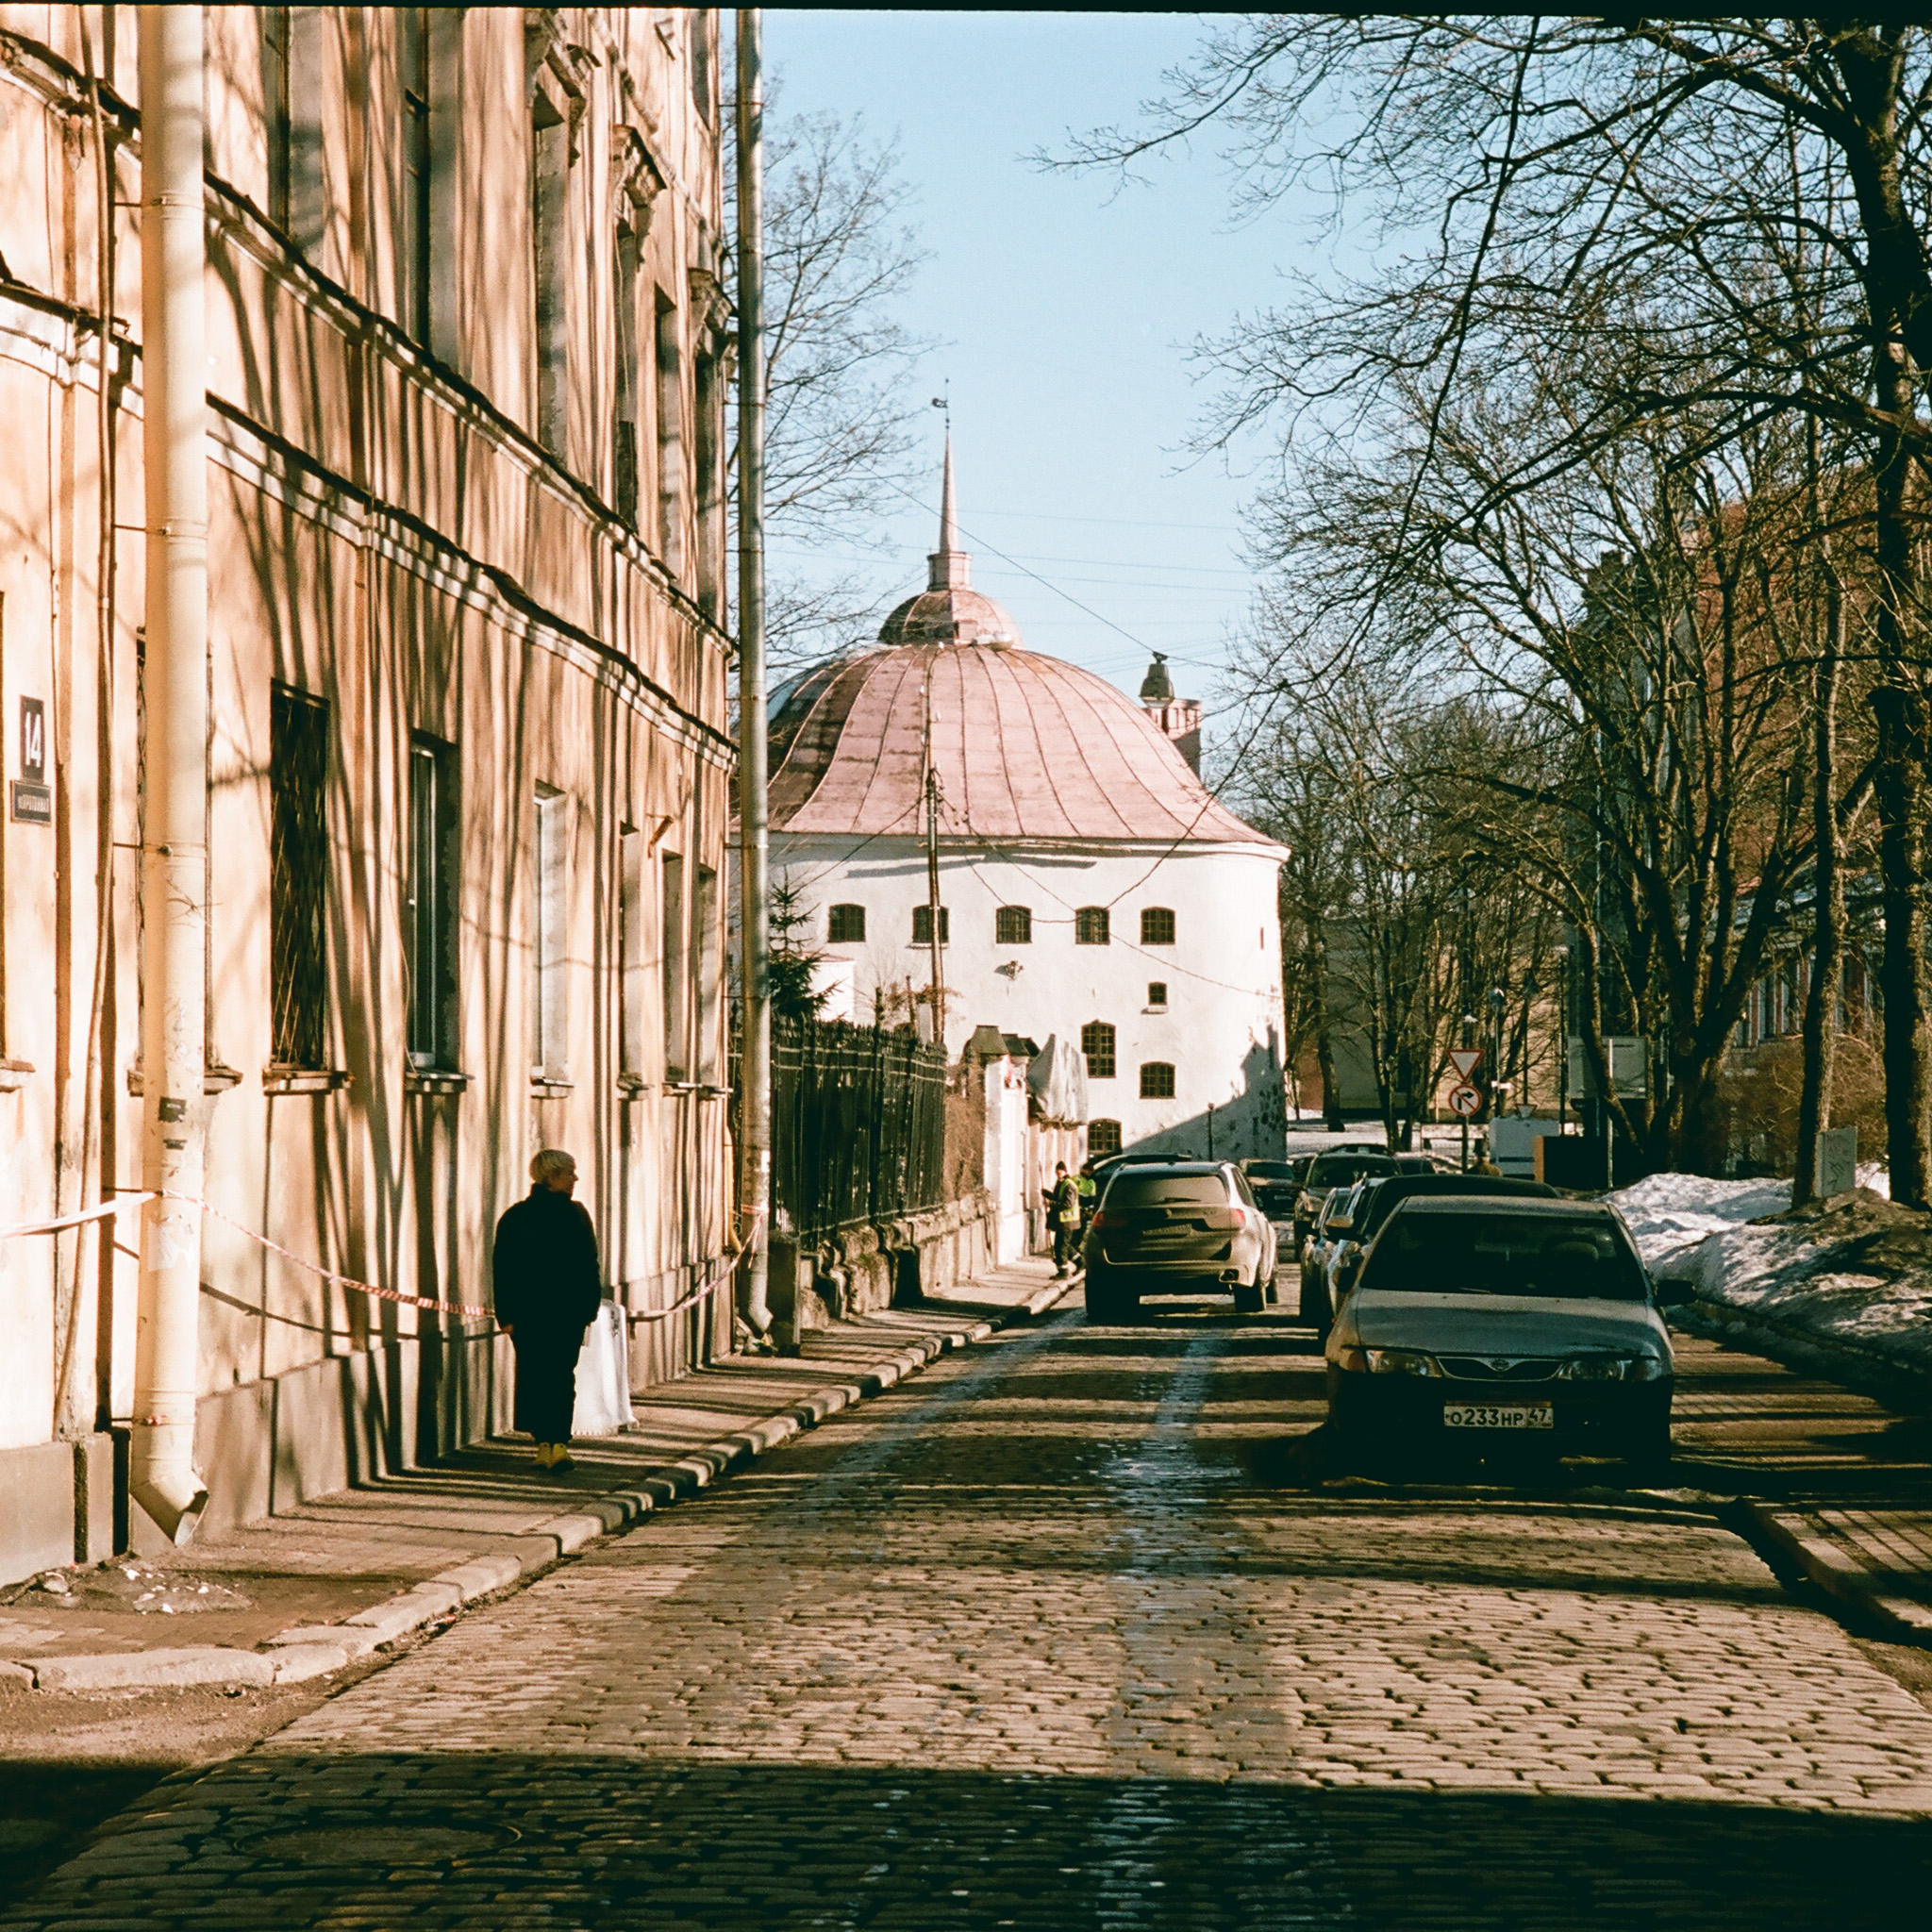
(1097, 1044)
(1103, 1136)
(846, 925)
(1012, 926)
(1157, 925)
(1090, 927)
(1157, 1080)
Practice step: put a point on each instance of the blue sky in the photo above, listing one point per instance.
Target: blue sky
(1066, 305)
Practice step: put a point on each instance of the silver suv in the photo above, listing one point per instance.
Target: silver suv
(1191, 1225)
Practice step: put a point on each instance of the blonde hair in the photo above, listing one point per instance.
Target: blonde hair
(551, 1161)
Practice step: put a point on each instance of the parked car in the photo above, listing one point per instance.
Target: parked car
(1334, 1167)
(1331, 1228)
(1480, 1319)
(1186, 1225)
(1375, 1199)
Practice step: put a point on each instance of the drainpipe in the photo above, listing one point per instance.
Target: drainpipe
(754, 845)
(174, 858)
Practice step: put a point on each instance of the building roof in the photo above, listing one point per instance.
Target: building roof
(1024, 746)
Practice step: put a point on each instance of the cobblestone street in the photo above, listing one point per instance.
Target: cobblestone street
(1051, 1636)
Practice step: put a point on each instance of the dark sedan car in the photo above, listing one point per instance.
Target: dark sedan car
(1479, 1321)
(1337, 1167)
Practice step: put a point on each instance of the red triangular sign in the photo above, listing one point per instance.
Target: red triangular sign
(1465, 1059)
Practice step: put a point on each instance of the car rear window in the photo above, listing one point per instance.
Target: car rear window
(1338, 1170)
(1564, 1258)
(1275, 1200)
(1271, 1171)
(1153, 1189)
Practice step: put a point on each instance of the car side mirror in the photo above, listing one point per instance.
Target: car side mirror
(1676, 1294)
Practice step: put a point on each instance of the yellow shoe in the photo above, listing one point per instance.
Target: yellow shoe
(547, 1455)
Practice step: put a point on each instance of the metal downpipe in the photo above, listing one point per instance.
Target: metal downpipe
(163, 1480)
(754, 841)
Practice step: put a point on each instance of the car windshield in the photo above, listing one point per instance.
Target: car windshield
(1338, 1170)
(1561, 1256)
(1144, 1190)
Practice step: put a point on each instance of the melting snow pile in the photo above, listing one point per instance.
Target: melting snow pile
(1860, 1273)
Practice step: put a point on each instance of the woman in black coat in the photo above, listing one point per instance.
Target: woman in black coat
(547, 1290)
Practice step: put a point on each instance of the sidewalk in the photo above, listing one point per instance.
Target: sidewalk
(300, 1595)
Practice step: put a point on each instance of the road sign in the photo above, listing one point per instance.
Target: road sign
(1465, 1059)
(1464, 1101)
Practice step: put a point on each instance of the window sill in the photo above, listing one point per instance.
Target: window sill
(216, 1078)
(633, 1086)
(1161, 1012)
(276, 1079)
(434, 1080)
(546, 1084)
(14, 1074)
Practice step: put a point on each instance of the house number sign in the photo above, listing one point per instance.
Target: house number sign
(33, 801)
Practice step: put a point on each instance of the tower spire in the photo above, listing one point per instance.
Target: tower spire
(950, 568)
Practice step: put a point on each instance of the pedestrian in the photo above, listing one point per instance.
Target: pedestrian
(547, 1290)
(1063, 1216)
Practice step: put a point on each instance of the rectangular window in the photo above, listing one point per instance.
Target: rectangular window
(846, 925)
(710, 978)
(278, 123)
(1157, 993)
(1097, 1042)
(677, 953)
(922, 925)
(550, 937)
(1157, 925)
(550, 250)
(413, 239)
(1012, 926)
(1157, 1080)
(298, 878)
(624, 411)
(634, 986)
(670, 438)
(708, 480)
(1103, 1136)
(432, 903)
(1090, 927)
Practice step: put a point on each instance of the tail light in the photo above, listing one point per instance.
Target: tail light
(1241, 1217)
(1106, 1219)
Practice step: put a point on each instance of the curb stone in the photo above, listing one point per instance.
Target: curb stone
(1838, 1573)
(315, 1650)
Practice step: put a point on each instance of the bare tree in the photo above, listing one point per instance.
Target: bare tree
(839, 258)
(1530, 175)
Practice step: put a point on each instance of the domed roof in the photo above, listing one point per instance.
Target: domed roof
(1026, 747)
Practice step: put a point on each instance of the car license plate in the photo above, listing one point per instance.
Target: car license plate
(1498, 1415)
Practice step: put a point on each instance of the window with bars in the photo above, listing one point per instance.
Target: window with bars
(846, 925)
(1103, 1136)
(1097, 1042)
(922, 925)
(1157, 993)
(1090, 927)
(1157, 925)
(1012, 926)
(1157, 1080)
(431, 907)
(298, 878)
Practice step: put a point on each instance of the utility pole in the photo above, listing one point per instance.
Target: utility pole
(932, 877)
(173, 860)
(753, 838)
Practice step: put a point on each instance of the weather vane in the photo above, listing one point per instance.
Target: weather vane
(946, 402)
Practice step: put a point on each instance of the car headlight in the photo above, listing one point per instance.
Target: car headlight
(1401, 1362)
(1611, 1368)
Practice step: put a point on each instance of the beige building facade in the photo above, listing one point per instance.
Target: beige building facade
(467, 752)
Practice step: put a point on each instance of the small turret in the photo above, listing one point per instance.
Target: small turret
(1179, 718)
